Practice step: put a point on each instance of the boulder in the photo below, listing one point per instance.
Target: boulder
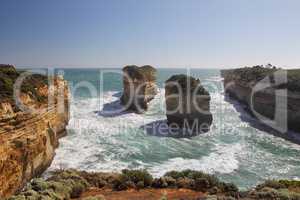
(187, 104)
(139, 87)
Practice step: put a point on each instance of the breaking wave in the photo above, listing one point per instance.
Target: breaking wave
(101, 140)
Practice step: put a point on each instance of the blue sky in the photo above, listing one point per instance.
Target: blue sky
(164, 33)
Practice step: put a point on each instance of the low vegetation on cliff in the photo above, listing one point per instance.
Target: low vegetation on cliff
(68, 184)
(8, 76)
(257, 73)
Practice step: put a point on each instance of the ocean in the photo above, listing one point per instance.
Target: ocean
(100, 138)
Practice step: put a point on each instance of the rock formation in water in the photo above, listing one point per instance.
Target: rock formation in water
(139, 87)
(28, 140)
(259, 88)
(187, 104)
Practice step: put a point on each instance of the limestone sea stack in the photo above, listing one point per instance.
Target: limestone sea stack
(187, 104)
(28, 139)
(139, 87)
(272, 95)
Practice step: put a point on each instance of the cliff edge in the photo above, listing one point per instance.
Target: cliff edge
(28, 139)
(272, 95)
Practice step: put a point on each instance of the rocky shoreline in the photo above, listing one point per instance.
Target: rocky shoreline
(29, 139)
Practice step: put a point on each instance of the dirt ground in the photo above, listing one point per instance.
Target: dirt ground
(145, 194)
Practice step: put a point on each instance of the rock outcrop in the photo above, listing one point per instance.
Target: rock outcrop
(28, 139)
(139, 87)
(268, 93)
(187, 104)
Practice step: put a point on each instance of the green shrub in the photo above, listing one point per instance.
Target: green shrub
(38, 185)
(62, 185)
(271, 184)
(170, 181)
(290, 183)
(202, 180)
(267, 194)
(19, 197)
(96, 179)
(202, 184)
(8, 76)
(140, 185)
(164, 182)
(185, 183)
(137, 176)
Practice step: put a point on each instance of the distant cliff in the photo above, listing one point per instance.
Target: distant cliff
(139, 87)
(28, 140)
(259, 88)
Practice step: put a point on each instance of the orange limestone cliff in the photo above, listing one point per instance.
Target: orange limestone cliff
(28, 138)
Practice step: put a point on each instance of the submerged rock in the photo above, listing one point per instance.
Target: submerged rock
(187, 104)
(139, 87)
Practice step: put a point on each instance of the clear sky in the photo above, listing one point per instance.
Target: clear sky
(164, 33)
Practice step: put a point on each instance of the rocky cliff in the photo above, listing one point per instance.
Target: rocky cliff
(139, 87)
(187, 104)
(28, 139)
(270, 94)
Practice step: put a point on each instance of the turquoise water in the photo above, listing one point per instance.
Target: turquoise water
(233, 150)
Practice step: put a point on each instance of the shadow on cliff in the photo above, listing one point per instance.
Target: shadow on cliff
(112, 109)
(160, 128)
(247, 116)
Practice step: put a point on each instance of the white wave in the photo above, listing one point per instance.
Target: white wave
(101, 141)
(215, 78)
(223, 160)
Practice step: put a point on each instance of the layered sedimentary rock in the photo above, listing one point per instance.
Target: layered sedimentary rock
(139, 87)
(28, 139)
(268, 93)
(187, 104)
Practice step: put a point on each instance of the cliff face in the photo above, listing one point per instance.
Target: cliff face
(187, 104)
(257, 88)
(139, 87)
(28, 140)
